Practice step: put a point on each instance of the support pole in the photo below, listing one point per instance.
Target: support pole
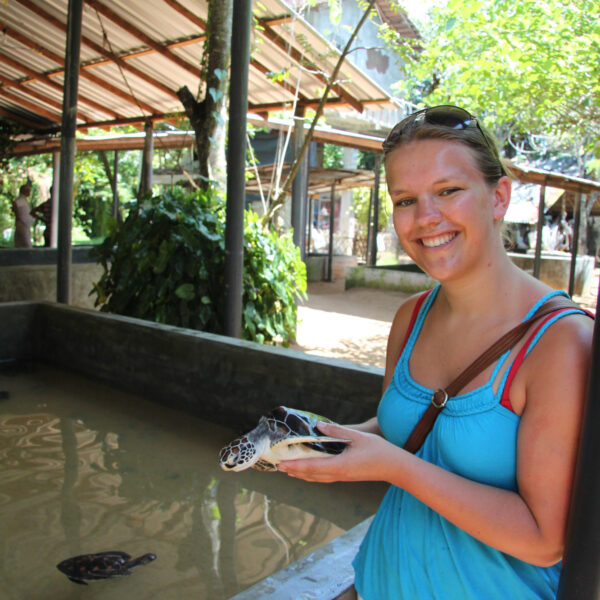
(54, 199)
(147, 154)
(309, 223)
(331, 228)
(236, 165)
(537, 261)
(67, 151)
(373, 257)
(575, 242)
(369, 228)
(299, 185)
(580, 576)
(115, 189)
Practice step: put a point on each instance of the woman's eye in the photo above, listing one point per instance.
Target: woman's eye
(402, 202)
(449, 191)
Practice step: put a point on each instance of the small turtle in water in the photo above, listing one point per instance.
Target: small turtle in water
(281, 434)
(102, 565)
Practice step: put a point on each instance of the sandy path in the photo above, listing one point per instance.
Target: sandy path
(351, 325)
(354, 325)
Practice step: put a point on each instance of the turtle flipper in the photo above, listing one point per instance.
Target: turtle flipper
(264, 465)
(79, 581)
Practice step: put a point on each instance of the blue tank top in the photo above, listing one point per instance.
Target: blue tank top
(412, 553)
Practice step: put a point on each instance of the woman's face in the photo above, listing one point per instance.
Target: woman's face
(445, 214)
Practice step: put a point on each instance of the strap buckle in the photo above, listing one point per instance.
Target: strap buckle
(439, 398)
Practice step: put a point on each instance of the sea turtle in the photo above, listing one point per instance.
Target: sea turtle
(282, 434)
(102, 565)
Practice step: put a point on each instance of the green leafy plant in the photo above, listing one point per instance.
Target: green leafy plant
(166, 264)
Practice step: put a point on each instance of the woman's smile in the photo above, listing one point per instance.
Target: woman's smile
(437, 241)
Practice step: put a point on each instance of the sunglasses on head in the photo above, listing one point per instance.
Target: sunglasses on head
(445, 115)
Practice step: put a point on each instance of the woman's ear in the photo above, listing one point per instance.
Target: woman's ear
(501, 197)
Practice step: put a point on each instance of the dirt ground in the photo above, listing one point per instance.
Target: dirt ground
(351, 325)
(354, 324)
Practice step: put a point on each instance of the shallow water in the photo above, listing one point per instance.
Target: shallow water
(85, 468)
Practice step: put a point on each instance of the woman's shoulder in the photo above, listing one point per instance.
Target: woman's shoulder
(566, 331)
(562, 346)
(401, 324)
(406, 313)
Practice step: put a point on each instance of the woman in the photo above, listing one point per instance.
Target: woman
(23, 218)
(479, 512)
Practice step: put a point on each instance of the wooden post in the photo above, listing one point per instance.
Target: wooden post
(115, 189)
(373, 258)
(54, 198)
(147, 153)
(299, 187)
(580, 575)
(331, 227)
(540, 229)
(67, 151)
(575, 243)
(236, 166)
(369, 228)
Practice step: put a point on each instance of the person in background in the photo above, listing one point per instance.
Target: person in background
(23, 218)
(480, 511)
(43, 212)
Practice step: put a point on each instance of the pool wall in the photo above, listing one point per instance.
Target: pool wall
(29, 274)
(220, 379)
(225, 380)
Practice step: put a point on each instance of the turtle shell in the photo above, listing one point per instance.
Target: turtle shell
(102, 565)
(293, 422)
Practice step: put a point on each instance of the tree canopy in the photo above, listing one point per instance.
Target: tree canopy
(527, 66)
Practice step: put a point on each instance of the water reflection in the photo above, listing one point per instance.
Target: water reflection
(109, 473)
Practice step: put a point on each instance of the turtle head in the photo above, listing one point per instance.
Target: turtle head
(244, 451)
(238, 455)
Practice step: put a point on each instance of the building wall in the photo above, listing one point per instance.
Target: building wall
(377, 61)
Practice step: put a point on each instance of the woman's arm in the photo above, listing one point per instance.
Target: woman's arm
(530, 524)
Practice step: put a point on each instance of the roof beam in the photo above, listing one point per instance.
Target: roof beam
(557, 180)
(284, 84)
(126, 142)
(188, 14)
(34, 75)
(99, 49)
(6, 82)
(279, 41)
(14, 117)
(55, 117)
(121, 22)
(26, 41)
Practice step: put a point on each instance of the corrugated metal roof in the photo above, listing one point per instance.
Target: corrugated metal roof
(135, 55)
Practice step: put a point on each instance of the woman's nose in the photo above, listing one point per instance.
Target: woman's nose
(428, 211)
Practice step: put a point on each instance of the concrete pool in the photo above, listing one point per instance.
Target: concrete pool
(112, 432)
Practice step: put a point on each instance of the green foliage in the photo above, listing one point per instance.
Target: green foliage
(333, 156)
(92, 207)
(274, 277)
(531, 66)
(360, 202)
(166, 264)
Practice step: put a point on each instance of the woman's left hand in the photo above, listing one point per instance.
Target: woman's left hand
(362, 460)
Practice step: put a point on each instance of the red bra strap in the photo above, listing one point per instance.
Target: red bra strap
(505, 400)
(413, 318)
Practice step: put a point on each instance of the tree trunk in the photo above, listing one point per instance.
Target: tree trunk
(206, 117)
